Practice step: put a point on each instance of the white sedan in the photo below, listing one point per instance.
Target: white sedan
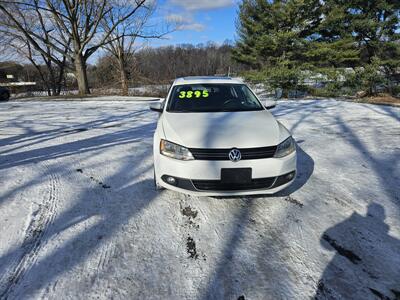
(215, 138)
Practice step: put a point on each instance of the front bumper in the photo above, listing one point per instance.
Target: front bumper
(202, 177)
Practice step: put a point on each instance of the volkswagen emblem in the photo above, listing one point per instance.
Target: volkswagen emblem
(235, 155)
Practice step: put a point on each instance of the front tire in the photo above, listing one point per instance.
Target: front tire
(4, 96)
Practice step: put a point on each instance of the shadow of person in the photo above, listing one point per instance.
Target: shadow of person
(366, 264)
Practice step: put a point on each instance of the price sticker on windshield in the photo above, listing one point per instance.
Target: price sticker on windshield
(193, 94)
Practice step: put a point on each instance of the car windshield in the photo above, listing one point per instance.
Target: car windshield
(212, 98)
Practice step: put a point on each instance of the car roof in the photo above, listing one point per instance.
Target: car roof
(206, 79)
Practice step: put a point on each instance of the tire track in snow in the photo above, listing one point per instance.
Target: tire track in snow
(107, 252)
(107, 249)
(34, 234)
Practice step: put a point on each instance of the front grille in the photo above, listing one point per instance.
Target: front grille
(223, 154)
(217, 185)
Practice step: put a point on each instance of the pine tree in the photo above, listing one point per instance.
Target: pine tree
(371, 27)
(271, 39)
(284, 39)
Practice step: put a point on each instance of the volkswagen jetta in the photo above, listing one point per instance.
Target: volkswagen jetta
(214, 137)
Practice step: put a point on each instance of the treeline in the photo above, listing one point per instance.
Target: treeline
(346, 46)
(163, 64)
(148, 66)
(327, 48)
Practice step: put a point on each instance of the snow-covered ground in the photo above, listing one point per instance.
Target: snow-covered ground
(79, 217)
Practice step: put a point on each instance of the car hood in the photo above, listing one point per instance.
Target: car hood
(222, 129)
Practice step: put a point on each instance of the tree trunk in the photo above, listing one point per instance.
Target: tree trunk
(123, 77)
(52, 82)
(61, 76)
(81, 75)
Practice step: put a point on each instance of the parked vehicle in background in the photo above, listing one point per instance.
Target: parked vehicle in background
(4, 94)
(214, 137)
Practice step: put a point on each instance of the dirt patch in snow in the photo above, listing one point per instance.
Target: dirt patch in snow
(189, 212)
(103, 185)
(191, 248)
(294, 201)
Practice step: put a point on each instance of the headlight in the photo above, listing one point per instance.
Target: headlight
(175, 151)
(285, 148)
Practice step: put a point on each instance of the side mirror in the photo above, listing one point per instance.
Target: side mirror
(158, 107)
(269, 104)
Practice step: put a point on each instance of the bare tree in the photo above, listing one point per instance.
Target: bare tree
(50, 66)
(76, 28)
(122, 42)
(51, 74)
(6, 52)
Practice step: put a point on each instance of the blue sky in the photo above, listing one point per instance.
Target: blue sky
(199, 21)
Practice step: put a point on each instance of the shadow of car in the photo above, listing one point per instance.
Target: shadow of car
(4, 94)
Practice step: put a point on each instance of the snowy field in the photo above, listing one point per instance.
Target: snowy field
(79, 217)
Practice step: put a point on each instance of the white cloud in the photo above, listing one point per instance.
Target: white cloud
(203, 4)
(183, 17)
(176, 18)
(185, 22)
(192, 26)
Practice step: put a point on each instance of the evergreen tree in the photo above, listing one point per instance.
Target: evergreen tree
(272, 39)
(370, 26)
(284, 39)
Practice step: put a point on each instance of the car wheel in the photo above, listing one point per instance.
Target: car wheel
(157, 187)
(5, 96)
